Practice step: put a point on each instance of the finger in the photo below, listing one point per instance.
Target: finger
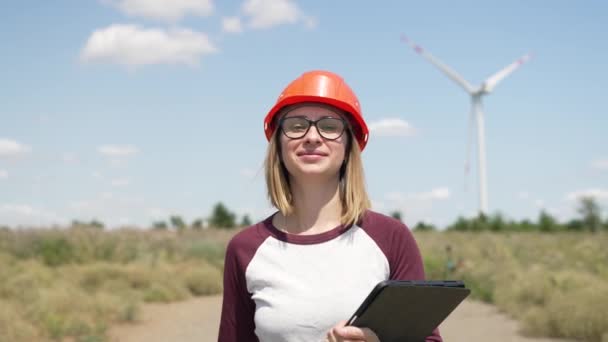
(331, 334)
(349, 332)
(354, 333)
(370, 335)
(331, 337)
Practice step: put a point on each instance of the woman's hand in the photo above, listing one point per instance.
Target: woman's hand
(342, 333)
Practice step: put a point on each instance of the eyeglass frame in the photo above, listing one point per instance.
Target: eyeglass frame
(314, 123)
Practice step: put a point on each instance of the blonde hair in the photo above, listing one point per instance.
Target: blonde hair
(353, 196)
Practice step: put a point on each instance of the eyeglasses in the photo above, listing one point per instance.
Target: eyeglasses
(296, 127)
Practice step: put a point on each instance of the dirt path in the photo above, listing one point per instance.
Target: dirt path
(197, 320)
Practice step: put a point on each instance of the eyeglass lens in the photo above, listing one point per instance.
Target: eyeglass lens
(297, 127)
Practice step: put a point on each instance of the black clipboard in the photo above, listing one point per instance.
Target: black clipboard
(408, 311)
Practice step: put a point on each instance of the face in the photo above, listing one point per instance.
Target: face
(313, 150)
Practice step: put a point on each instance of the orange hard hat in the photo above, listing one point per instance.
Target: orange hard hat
(322, 87)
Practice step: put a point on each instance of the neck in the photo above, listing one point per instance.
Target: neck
(317, 207)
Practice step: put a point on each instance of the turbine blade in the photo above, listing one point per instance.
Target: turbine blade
(493, 80)
(440, 65)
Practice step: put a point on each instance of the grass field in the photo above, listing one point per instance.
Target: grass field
(72, 284)
(555, 284)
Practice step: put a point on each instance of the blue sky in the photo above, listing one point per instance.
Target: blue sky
(129, 111)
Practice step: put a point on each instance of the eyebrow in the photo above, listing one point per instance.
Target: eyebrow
(307, 115)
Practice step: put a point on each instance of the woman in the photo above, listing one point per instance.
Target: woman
(297, 275)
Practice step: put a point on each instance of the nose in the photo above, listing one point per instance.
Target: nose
(312, 136)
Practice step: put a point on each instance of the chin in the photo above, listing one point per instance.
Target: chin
(316, 171)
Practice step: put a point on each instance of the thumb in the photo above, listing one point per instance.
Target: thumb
(350, 332)
(355, 333)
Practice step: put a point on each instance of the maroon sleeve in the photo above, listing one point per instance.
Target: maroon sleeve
(398, 244)
(238, 309)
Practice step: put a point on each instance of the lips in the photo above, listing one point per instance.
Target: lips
(311, 153)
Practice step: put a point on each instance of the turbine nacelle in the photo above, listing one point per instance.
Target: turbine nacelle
(484, 89)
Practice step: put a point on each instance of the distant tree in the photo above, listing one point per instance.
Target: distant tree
(246, 221)
(423, 227)
(221, 217)
(177, 222)
(575, 225)
(96, 224)
(92, 224)
(480, 223)
(396, 215)
(524, 225)
(590, 213)
(197, 224)
(546, 222)
(461, 224)
(497, 223)
(160, 225)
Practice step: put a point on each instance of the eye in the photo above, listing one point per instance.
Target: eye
(295, 124)
(298, 127)
(331, 125)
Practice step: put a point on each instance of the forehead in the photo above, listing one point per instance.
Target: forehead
(313, 111)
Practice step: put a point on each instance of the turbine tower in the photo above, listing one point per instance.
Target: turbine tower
(476, 94)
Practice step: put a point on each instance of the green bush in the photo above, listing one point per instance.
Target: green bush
(56, 252)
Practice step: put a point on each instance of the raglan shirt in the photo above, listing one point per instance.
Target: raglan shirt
(286, 287)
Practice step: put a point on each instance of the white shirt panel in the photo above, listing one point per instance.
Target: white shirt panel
(302, 290)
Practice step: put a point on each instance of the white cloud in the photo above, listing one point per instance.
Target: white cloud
(310, 22)
(3, 174)
(232, 25)
(600, 164)
(598, 194)
(23, 215)
(18, 209)
(523, 195)
(539, 203)
(269, 13)
(109, 208)
(131, 45)
(157, 213)
(165, 10)
(435, 194)
(395, 196)
(115, 151)
(441, 193)
(416, 206)
(12, 148)
(554, 212)
(79, 205)
(391, 127)
(119, 182)
(124, 220)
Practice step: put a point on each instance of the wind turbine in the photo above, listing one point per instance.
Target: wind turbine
(476, 93)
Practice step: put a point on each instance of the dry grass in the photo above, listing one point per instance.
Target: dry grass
(555, 284)
(74, 283)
